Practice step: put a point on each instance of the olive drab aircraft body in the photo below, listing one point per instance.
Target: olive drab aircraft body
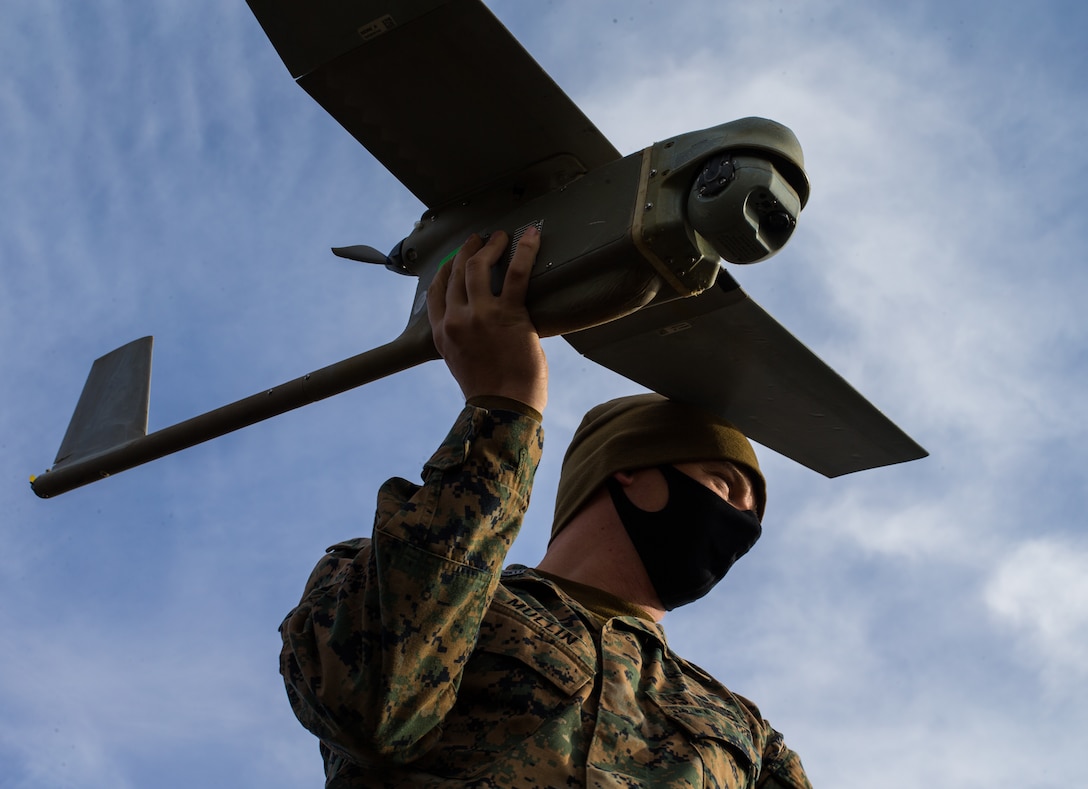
(630, 267)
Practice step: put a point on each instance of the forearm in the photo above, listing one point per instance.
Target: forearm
(373, 655)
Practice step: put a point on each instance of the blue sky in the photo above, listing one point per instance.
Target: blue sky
(920, 625)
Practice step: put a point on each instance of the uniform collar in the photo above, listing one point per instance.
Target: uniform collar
(600, 603)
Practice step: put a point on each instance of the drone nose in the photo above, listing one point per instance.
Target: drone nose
(743, 206)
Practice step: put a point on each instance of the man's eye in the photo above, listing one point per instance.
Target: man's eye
(723, 486)
(727, 479)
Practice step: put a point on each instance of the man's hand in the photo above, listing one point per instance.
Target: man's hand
(488, 341)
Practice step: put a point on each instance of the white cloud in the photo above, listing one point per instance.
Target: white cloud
(1040, 593)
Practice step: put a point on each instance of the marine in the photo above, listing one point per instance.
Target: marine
(418, 660)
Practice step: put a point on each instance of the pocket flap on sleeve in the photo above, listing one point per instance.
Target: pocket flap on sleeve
(516, 630)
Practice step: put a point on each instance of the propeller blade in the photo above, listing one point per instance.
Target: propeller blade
(439, 91)
(362, 253)
(721, 351)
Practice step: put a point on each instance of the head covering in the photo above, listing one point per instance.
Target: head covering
(644, 431)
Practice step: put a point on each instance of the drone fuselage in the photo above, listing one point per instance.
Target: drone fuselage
(619, 236)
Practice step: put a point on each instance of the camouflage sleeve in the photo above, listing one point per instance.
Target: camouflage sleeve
(781, 767)
(372, 656)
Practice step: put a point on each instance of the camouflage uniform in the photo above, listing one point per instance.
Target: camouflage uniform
(418, 662)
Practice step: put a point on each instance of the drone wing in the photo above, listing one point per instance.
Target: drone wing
(437, 90)
(722, 351)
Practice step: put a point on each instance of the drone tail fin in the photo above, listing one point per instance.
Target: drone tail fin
(112, 409)
(108, 432)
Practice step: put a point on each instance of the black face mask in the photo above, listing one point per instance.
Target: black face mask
(688, 546)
